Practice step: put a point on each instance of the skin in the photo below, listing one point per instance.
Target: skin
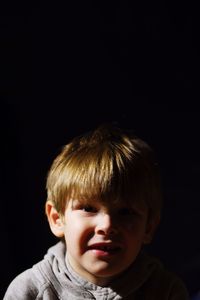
(102, 241)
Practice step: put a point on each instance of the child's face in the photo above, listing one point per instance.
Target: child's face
(104, 241)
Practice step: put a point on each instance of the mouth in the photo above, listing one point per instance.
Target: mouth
(104, 249)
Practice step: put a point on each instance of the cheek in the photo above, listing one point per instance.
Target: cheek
(73, 241)
(134, 226)
(77, 235)
(134, 232)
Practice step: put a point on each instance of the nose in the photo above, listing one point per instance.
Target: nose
(106, 225)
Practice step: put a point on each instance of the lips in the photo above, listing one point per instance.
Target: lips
(105, 247)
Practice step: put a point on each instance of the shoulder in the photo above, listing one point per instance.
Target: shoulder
(30, 285)
(161, 283)
(38, 282)
(177, 288)
(169, 284)
(24, 286)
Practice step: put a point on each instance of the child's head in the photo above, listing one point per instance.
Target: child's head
(106, 165)
(104, 199)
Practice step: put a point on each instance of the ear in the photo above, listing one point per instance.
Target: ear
(150, 229)
(56, 221)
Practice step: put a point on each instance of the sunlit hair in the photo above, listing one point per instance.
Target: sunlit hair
(106, 165)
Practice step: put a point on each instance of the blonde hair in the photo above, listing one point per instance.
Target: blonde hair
(105, 165)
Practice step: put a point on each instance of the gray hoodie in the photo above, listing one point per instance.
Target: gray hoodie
(53, 279)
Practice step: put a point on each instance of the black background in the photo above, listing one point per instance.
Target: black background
(66, 69)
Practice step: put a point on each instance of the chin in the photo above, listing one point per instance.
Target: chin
(107, 272)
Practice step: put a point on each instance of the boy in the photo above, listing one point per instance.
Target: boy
(104, 204)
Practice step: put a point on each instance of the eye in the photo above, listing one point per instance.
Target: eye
(88, 208)
(125, 211)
